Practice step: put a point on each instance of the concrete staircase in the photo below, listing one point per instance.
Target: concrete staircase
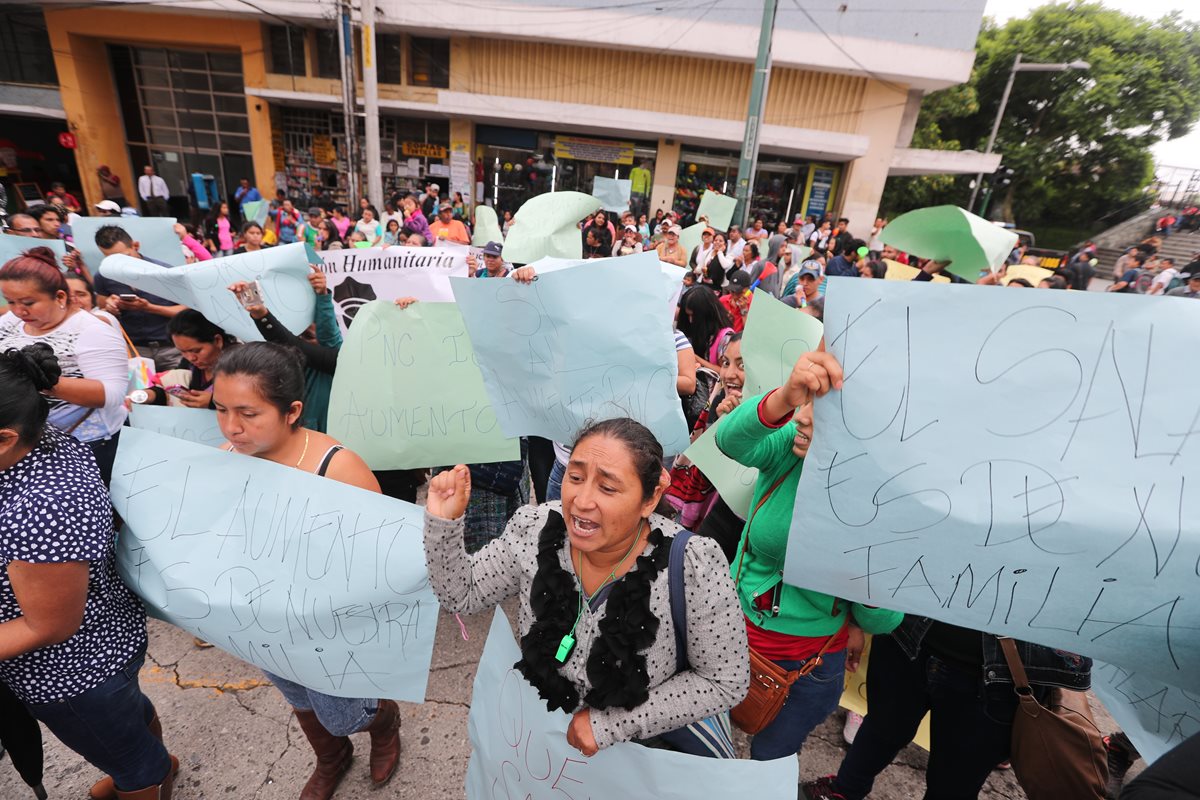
(1179, 246)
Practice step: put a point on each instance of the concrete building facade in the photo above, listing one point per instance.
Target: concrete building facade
(499, 102)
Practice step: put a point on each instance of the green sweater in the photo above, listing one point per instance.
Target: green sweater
(742, 436)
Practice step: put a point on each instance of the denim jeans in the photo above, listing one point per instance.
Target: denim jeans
(107, 725)
(813, 698)
(554, 485)
(970, 724)
(341, 716)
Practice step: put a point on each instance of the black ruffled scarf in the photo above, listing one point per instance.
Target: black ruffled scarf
(616, 667)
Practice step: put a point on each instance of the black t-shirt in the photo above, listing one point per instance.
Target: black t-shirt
(839, 242)
(142, 327)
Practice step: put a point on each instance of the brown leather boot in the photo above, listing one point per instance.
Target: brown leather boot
(104, 789)
(334, 754)
(161, 792)
(385, 741)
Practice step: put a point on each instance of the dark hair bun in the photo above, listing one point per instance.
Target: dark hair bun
(43, 254)
(36, 362)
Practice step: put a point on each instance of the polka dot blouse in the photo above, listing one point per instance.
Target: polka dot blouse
(54, 509)
(719, 671)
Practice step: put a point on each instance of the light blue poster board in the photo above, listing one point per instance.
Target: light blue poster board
(718, 208)
(1155, 716)
(1015, 462)
(12, 246)
(519, 749)
(613, 193)
(307, 578)
(197, 425)
(204, 286)
(156, 235)
(577, 345)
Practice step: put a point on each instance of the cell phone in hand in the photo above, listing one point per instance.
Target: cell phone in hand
(251, 295)
(128, 298)
(178, 391)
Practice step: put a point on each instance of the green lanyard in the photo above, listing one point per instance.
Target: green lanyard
(568, 642)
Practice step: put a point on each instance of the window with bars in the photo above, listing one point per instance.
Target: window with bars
(286, 46)
(25, 53)
(429, 62)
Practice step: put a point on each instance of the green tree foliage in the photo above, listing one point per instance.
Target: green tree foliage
(1078, 141)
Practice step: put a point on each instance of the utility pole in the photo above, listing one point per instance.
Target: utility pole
(371, 104)
(350, 140)
(748, 162)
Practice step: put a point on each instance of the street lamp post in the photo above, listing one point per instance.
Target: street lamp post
(1018, 66)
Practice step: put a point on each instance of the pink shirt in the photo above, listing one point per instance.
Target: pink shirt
(342, 225)
(224, 238)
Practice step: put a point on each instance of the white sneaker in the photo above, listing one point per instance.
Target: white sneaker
(853, 723)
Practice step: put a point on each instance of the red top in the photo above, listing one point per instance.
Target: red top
(735, 313)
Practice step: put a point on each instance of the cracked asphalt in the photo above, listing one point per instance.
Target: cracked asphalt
(235, 736)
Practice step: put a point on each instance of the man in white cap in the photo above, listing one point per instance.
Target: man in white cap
(669, 249)
(107, 208)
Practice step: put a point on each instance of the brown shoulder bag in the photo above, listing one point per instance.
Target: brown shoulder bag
(769, 683)
(1057, 750)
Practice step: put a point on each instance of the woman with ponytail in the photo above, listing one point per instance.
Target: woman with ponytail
(72, 636)
(88, 401)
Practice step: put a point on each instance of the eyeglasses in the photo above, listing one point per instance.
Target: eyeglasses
(23, 231)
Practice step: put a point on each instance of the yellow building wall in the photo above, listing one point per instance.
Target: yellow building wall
(89, 99)
(862, 183)
(670, 84)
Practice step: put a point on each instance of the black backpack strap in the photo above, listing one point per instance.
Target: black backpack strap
(678, 597)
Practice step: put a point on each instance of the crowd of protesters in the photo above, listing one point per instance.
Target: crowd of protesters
(73, 632)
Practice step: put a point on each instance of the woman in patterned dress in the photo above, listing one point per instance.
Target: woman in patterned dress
(72, 636)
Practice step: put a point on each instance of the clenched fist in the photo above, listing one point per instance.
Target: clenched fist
(449, 493)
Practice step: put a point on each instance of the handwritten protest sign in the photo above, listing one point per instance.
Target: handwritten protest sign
(968, 242)
(487, 226)
(672, 276)
(718, 208)
(734, 481)
(613, 193)
(12, 246)
(197, 425)
(311, 579)
(548, 225)
(204, 286)
(374, 410)
(155, 236)
(1155, 716)
(553, 359)
(357, 277)
(1034, 275)
(775, 336)
(520, 750)
(903, 272)
(691, 237)
(1067, 524)
(256, 211)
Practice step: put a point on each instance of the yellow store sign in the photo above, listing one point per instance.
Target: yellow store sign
(605, 151)
(422, 150)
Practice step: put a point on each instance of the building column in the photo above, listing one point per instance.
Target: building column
(93, 110)
(862, 184)
(462, 162)
(666, 167)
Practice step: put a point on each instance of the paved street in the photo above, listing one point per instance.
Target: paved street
(235, 738)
